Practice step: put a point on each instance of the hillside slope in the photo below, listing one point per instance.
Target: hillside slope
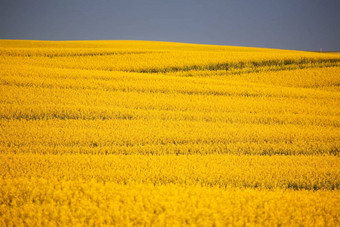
(155, 133)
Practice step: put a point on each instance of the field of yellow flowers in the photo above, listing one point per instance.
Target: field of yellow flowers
(153, 133)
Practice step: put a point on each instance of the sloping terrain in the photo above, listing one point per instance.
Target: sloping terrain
(156, 133)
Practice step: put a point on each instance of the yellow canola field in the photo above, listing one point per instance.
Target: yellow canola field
(157, 133)
(69, 203)
(224, 171)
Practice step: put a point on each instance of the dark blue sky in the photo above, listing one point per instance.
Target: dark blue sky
(284, 24)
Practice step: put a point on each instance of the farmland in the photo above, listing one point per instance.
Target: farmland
(157, 133)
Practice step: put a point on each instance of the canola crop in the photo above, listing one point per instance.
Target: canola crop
(156, 133)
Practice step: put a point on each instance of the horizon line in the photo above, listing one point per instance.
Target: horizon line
(141, 40)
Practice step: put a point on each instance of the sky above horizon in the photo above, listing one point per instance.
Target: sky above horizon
(284, 24)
